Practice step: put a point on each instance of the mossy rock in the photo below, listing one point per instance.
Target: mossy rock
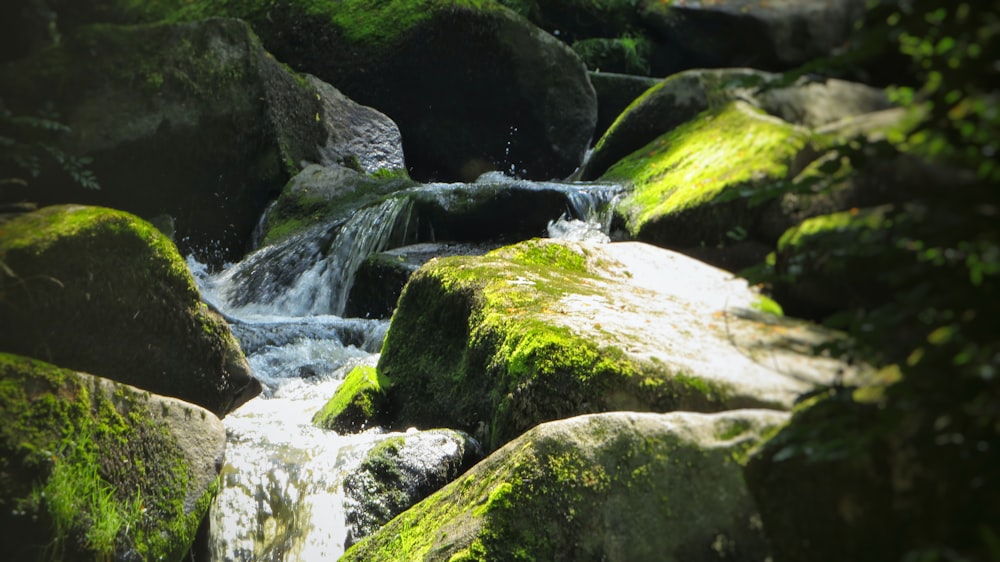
(358, 403)
(626, 55)
(615, 486)
(819, 262)
(320, 194)
(688, 184)
(543, 330)
(399, 472)
(668, 104)
(195, 120)
(573, 20)
(473, 86)
(92, 469)
(101, 291)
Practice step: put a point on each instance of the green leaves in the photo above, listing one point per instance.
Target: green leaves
(30, 147)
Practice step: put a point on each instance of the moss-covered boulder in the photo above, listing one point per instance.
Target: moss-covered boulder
(358, 403)
(819, 262)
(687, 185)
(399, 472)
(543, 330)
(617, 486)
(767, 35)
(104, 292)
(91, 469)
(195, 120)
(472, 86)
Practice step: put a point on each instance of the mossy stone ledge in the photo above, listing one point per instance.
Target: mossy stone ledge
(359, 402)
(543, 330)
(104, 292)
(91, 469)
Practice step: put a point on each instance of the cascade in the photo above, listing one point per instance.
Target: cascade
(281, 496)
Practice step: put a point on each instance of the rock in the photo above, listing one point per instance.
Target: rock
(543, 330)
(104, 292)
(773, 35)
(194, 120)
(359, 402)
(817, 101)
(614, 93)
(819, 261)
(572, 20)
(94, 469)
(321, 194)
(617, 486)
(689, 185)
(358, 137)
(399, 472)
(380, 279)
(674, 101)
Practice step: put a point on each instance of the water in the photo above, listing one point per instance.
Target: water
(282, 488)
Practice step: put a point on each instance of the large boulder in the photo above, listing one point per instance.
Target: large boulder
(543, 330)
(615, 92)
(96, 470)
(195, 120)
(618, 487)
(101, 291)
(773, 35)
(399, 472)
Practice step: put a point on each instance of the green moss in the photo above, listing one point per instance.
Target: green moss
(847, 222)
(767, 305)
(383, 23)
(82, 462)
(357, 401)
(721, 150)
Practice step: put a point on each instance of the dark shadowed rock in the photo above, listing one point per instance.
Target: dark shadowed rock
(772, 35)
(614, 93)
(193, 120)
(104, 292)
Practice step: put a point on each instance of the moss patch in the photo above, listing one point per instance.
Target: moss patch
(86, 474)
(732, 148)
(358, 402)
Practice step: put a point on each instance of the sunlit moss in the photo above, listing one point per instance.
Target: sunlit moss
(724, 149)
(357, 401)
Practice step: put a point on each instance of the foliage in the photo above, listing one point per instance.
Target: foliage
(941, 256)
(29, 148)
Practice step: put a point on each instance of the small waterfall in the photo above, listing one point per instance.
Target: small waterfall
(311, 272)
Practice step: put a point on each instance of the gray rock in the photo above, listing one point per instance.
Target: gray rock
(614, 93)
(399, 472)
(773, 35)
(619, 486)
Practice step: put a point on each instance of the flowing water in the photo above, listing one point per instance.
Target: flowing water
(281, 496)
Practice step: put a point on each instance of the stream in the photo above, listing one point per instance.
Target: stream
(281, 497)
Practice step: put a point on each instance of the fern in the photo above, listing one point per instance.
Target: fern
(29, 148)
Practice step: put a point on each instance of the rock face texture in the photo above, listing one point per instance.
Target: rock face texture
(194, 120)
(94, 469)
(103, 292)
(618, 486)
(401, 471)
(544, 330)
